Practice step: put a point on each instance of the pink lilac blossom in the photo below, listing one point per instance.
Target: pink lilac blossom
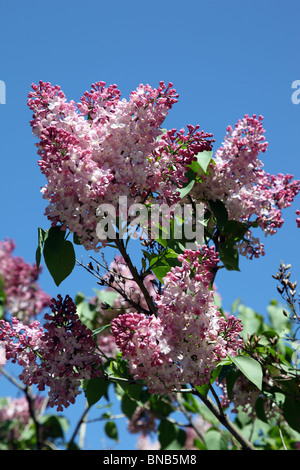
(298, 218)
(145, 443)
(24, 297)
(106, 147)
(2, 357)
(236, 177)
(58, 355)
(188, 337)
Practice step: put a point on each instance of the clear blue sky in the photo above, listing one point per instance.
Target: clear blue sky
(224, 58)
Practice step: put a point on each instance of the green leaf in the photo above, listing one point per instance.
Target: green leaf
(252, 321)
(215, 441)
(250, 368)
(76, 239)
(88, 314)
(277, 319)
(160, 406)
(94, 389)
(55, 425)
(59, 255)
(38, 253)
(291, 412)
(260, 409)
(106, 296)
(229, 256)
(162, 263)
(235, 229)
(231, 378)
(54, 238)
(2, 298)
(128, 405)
(167, 433)
(187, 187)
(203, 389)
(204, 159)
(111, 430)
(219, 212)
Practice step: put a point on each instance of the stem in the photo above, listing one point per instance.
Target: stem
(281, 437)
(12, 379)
(189, 418)
(217, 399)
(118, 290)
(135, 275)
(78, 427)
(225, 421)
(30, 400)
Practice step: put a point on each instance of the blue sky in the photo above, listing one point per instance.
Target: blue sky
(225, 59)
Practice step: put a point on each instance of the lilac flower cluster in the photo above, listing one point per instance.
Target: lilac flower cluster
(58, 355)
(188, 337)
(236, 177)
(105, 147)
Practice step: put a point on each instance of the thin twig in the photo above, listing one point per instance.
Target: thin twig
(30, 400)
(135, 275)
(12, 379)
(281, 437)
(138, 307)
(225, 421)
(189, 418)
(77, 428)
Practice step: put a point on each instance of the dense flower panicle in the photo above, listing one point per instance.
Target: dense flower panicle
(58, 355)
(237, 178)
(24, 297)
(188, 337)
(141, 341)
(106, 147)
